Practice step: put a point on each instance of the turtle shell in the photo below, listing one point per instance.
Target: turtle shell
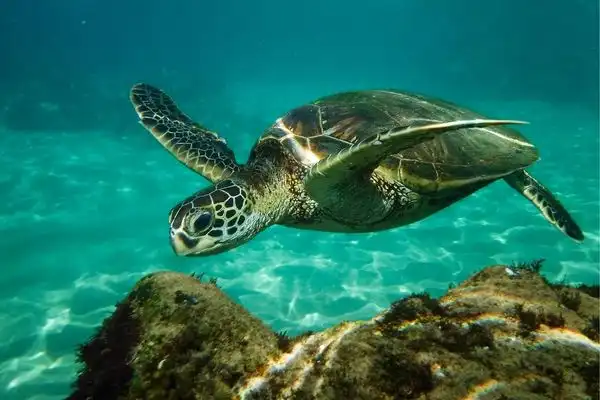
(333, 123)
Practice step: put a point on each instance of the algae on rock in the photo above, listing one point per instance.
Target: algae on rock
(504, 333)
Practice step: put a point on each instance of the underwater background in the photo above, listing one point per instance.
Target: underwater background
(86, 190)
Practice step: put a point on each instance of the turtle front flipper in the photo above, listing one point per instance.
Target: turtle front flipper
(344, 185)
(545, 201)
(195, 146)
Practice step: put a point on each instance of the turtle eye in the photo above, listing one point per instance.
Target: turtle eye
(202, 222)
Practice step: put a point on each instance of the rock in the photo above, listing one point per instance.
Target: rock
(504, 333)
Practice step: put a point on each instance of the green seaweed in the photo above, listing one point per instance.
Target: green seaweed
(570, 299)
(534, 266)
(592, 329)
(284, 341)
(399, 374)
(553, 320)
(105, 369)
(200, 276)
(591, 376)
(464, 340)
(530, 321)
(590, 290)
(411, 307)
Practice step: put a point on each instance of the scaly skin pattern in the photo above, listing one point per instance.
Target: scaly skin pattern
(278, 192)
(360, 161)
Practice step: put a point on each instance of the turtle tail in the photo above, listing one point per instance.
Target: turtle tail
(545, 201)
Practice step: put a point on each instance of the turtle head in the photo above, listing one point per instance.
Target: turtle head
(214, 220)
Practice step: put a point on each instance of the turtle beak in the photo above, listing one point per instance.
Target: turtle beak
(182, 244)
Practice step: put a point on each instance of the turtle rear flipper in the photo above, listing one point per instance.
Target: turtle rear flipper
(545, 201)
(346, 176)
(195, 146)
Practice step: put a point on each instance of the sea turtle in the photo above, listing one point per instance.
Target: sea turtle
(360, 161)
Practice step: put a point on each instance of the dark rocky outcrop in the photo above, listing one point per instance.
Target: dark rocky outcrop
(504, 333)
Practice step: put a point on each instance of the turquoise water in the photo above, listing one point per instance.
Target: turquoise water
(86, 191)
(80, 227)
